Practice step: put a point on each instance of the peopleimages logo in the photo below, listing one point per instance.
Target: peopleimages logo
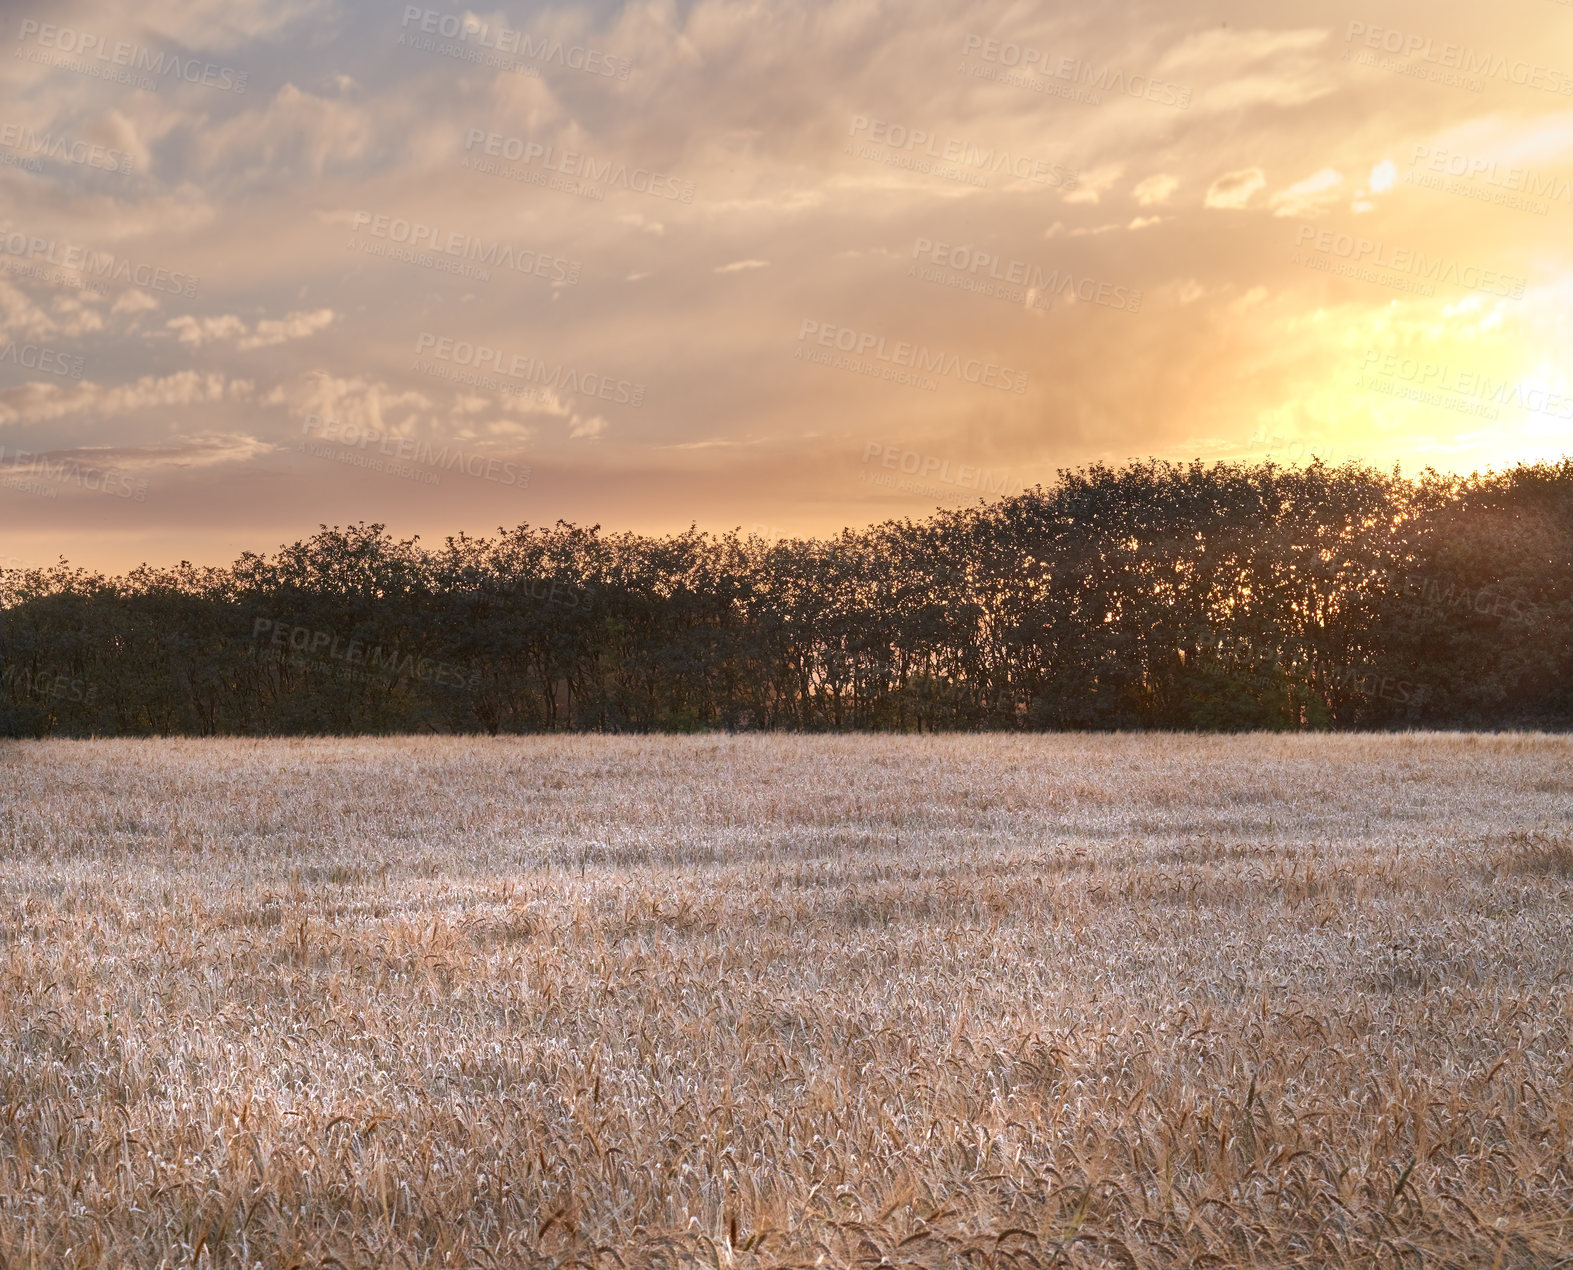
(1458, 57)
(986, 267)
(1424, 591)
(933, 466)
(573, 164)
(1300, 450)
(42, 358)
(1520, 180)
(89, 49)
(417, 237)
(503, 39)
(920, 145)
(1373, 254)
(87, 154)
(1033, 61)
(534, 371)
(1438, 382)
(899, 357)
(98, 266)
(1487, 181)
(403, 451)
(306, 644)
(31, 684)
(35, 473)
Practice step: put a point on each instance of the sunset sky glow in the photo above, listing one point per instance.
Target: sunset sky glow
(780, 265)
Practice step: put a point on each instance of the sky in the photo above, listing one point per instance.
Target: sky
(771, 265)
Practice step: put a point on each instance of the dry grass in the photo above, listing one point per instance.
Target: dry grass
(762, 1001)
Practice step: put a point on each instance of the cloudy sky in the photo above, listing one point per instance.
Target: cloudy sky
(773, 264)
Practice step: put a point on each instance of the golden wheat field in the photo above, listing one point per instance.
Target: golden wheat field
(759, 1001)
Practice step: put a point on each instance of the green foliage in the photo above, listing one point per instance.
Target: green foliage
(1220, 598)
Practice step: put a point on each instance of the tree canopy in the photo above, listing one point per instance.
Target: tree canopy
(1156, 595)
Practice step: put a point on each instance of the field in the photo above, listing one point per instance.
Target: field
(766, 1001)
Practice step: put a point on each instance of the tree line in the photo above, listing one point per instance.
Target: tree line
(1220, 596)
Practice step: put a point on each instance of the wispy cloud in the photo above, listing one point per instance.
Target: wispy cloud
(714, 188)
